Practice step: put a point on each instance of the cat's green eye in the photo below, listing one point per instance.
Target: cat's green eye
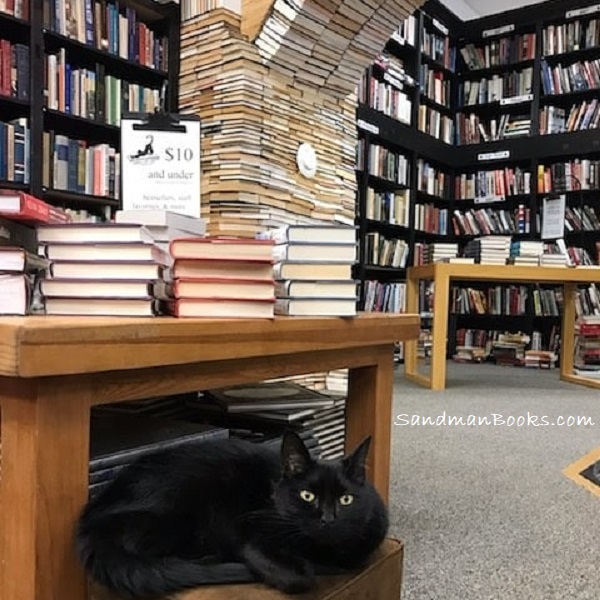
(307, 496)
(346, 499)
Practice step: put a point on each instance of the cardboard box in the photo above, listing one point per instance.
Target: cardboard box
(381, 580)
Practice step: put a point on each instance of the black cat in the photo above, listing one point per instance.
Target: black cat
(230, 511)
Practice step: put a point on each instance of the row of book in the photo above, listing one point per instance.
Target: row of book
(93, 93)
(434, 84)
(384, 163)
(14, 70)
(576, 77)
(587, 342)
(508, 300)
(431, 219)
(474, 129)
(571, 36)
(388, 297)
(392, 70)
(381, 251)
(499, 52)
(573, 175)
(434, 123)
(492, 186)
(514, 84)
(14, 151)
(487, 221)
(388, 100)
(582, 218)
(388, 207)
(430, 179)
(438, 48)
(17, 8)
(116, 29)
(556, 119)
(80, 167)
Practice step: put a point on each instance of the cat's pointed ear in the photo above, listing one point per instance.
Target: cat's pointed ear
(295, 458)
(354, 463)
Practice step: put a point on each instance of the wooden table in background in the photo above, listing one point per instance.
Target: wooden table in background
(443, 274)
(54, 369)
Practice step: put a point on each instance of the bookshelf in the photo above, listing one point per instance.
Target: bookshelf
(520, 91)
(59, 139)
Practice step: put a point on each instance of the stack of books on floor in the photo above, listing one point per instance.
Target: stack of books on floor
(220, 277)
(111, 269)
(540, 359)
(313, 270)
(318, 418)
(509, 348)
(21, 269)
(525, 252)
(489, 249)
(117, 438)
(587, 347)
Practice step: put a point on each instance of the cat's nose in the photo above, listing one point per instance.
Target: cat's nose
(327, 517)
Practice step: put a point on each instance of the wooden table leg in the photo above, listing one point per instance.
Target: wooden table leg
(567, 334)
(411, 368)
(369, 412)
(439, 332)
(45, 456)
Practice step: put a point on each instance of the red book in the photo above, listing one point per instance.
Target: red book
(21, 206)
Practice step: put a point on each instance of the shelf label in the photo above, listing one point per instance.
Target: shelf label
(499, 155)
(368, 126)
(440, 26)
(581, 12)
(516, 99)
(498, 30)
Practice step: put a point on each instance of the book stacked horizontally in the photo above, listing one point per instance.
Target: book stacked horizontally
(219, 277)
(525, 252)
(439, 251)
(489, 249)
(21, 269)
(313, 270)
(110, 269)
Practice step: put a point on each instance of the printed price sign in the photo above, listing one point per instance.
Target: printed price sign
(160, 163)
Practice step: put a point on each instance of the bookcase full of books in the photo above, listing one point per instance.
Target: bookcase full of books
(464, 128)
(68, 72)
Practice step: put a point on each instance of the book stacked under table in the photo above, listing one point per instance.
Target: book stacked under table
(313, 270)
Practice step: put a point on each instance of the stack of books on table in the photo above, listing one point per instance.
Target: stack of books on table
(110, 269)
(313, 270)
(489, 249)
(440, 251)
(220, 277)
(318, 418)
(525, 252)
(587, 347)
(21, 269)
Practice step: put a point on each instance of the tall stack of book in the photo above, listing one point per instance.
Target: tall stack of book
(489, 250)
(440, 251)
(525, 252)
(313, 270)
(587, 347)
(219, 278)
(21, 269)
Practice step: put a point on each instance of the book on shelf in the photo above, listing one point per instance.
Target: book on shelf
(388, 207)
(15, 153)
(514, 84)
(323, 307)
(378, 296)
(430, 179)
(220, 308)
(473, 129)
(501, 51)
(14, 71)
(576, 77)
(559, 38)
(88, 307)
(436, 124)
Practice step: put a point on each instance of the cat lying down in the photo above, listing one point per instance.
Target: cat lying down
(228, 511)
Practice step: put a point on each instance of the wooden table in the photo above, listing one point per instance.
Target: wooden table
(54, 369)
(443, 274)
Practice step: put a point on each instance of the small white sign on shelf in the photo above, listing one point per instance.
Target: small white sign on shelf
(582, 12)
(499, 155)
(160, 163)
(553, 217)
(498, 30)
(516, 99)
(366, 126)
(440, 26)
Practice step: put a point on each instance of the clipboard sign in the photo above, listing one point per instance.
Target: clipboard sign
(553, 223)
(160, 162)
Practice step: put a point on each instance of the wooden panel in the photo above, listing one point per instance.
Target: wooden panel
(45, 448)
(254, 15)
(43, 346)
(369, 412)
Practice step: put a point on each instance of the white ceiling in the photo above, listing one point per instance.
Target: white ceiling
(473, 9)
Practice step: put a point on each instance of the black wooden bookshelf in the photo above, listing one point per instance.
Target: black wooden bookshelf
(163, 20)
(528, 151)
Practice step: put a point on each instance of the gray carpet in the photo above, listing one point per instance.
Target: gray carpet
(485, 512)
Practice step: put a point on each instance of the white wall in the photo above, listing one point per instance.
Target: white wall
(471, 9)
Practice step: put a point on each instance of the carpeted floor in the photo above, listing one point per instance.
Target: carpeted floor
(485, 512)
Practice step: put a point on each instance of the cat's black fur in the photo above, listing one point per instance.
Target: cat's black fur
(229, 511)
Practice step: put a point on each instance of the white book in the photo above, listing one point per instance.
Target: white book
(162, 218)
